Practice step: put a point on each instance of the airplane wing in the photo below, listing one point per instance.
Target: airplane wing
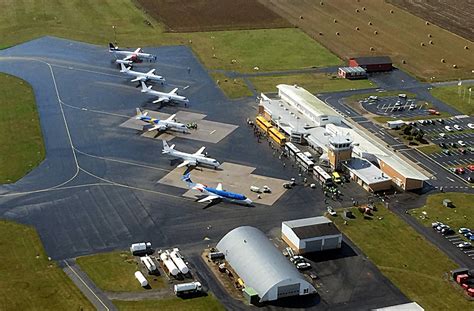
(174, 91)
(138, 79)
(159, 127)
(219, 186)
(171, 118)
(199, 152)
(137, 51)
(151, 72)
(128, 57)
(160, 100)
(209, 198)
(187, 162)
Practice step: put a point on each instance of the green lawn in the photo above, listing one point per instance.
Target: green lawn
(312, 82)
(460, 216)
(29, 281)
(414, 265)
(206, 303)
(21, 140)
(232, 88)
(456, 96)
(430, 149)
(114, 272)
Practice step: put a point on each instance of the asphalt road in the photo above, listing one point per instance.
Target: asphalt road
(97, 188)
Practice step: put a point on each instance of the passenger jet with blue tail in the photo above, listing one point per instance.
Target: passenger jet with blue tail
(161, 125)
(216, 194)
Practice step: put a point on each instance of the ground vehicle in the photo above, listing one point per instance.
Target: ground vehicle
(470, 179)
(373, 97)
(331, 211)
(336, 177)
(187, 288)
(402, 95)
(446, 152)
(321, 175)
(303, 265)
(441, 121)
(464, 230)
(448, 128)
(278, 137)
(464, 245)
(470, 167)
(442, 135)
(459, 170)
(304, 161)
(454, 145)
(412, 106)
(470, 125)
(435, 224)
(457, 127)
(463, 151)
(296, 258)
(442, 145)
(141, 248)
(461, 143)
(398, 103)
(263, 124)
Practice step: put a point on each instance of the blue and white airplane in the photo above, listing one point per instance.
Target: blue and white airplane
(215, 194)
(161, 125)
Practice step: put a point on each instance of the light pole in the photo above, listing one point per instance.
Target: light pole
(115, 35)
(470, 91)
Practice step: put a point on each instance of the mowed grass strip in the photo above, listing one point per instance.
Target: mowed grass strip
(29, 281)
(114, 271)
(206, 303)
(457, 97)
(266, 49)
(414, 265)
(312, 82)
(21, 141)
(352, 28)
(462, 215)
(232, 88)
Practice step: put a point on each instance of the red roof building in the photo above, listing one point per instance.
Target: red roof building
(372, 63)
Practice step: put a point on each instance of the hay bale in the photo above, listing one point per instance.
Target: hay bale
(404, 61)
(430, 42)
(455, 66)
(443, 60)
(376, 32)
(370, 23)
(372, 48)
(357, 10)
(335, 20)
(466, 47)
(320, 33)
(321, 3)
(301, 16)
(422, 44)
(391, 11)
(363, 8)
(430, 35)
(337, 33)
(357, 28)
(427, 23)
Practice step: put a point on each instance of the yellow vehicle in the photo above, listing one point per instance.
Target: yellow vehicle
(263, 124)
(275, 135)
(336, 177)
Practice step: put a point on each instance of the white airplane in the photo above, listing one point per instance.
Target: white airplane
(217, 193)
(141, 76)
(190, 159)
(164, 97)
(130, 57)
(161, 125)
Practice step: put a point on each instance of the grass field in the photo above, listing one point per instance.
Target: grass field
(114, 272)
(19, 153)
(351, 28)
(29, 281)
(460, 216)
(313, 82)
(207, 303)
(232, 88)
(430, 149)
(414, 265)
(456, 96)
(212, 15)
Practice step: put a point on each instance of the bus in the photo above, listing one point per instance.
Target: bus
(321, 175)
(263, 124)
(278, 137)
(304, 161)
(291, 149)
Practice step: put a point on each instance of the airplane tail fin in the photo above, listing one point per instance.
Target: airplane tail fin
(123, 68)
(166, 147)
(140, 114)
(112, 46)
(145, 88)
(187, 179)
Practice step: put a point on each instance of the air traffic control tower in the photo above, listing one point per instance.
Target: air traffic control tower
(339, 151)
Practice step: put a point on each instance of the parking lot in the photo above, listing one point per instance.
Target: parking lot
(396, 107)
(457, 145)
(455, 238)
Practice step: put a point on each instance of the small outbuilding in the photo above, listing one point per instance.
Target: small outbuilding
(448, 203)
(311, 234)
(372, 63)
(352, 73)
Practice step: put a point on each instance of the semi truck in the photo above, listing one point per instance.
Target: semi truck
(187, 288)
(141, 248)
(149, 264)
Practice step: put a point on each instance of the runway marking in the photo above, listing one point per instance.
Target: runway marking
(96, 111)
(83, 282)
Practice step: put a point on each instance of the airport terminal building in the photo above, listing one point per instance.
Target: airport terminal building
(345, 145)
(261, 265)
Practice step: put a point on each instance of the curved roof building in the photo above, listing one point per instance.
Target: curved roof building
(261, 266)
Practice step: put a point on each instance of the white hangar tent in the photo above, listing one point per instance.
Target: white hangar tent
(261, 265)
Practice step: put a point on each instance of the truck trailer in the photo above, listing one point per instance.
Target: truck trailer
(187, 288)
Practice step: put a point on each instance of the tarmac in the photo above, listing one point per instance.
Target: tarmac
(98, 188)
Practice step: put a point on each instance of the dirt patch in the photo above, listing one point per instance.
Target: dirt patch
(350, 29)
(455, 16)
(211, 15)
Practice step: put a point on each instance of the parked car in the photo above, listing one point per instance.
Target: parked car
(462, 150)
(441, 121)
(443, 145)
(446, 152)
(464, 230)
(470, 125)
(303, 265)
(457, 127)
(470, 179)
(442, 135)
(463, 245)
(448, 128)
(447, 231)
(459, 170)
(412, 107)
(435, 224)
(461, 143)
(470, 167)
(373, 97)
(296, 258)
(331, 211)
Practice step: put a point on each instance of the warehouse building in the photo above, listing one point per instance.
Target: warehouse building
(311, 234)
(352, 73)
(261, 265)
(307, 119)
(372, 63)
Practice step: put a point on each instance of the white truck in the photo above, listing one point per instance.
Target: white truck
(141, 248)
(149, 264)
(187, 288)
